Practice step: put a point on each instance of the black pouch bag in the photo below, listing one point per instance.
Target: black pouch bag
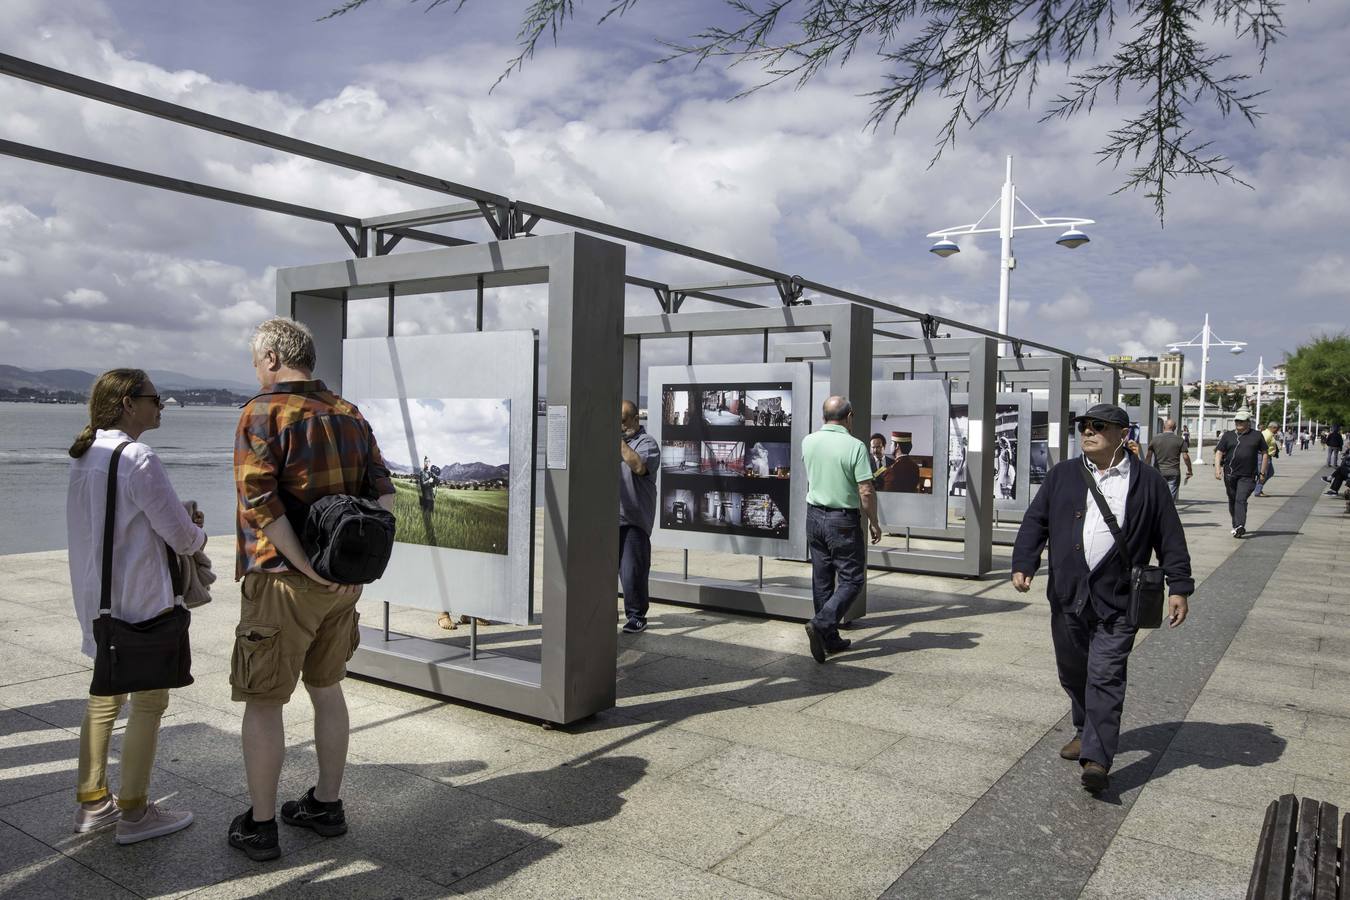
(348, 539)
(1148, 593)
(136, 656)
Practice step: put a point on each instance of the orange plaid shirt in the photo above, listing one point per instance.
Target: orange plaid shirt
(302, 439)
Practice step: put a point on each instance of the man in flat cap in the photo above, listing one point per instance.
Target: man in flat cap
(1088, 586)
(903, 474)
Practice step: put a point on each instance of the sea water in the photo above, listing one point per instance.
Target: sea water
(195, 443)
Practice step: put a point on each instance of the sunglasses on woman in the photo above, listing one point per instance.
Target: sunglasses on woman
(152, 397)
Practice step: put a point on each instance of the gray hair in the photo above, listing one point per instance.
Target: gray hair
(291, 341)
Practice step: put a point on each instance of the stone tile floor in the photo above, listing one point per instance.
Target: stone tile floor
(732, 766)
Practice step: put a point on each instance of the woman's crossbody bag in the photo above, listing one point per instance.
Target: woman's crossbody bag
(136, 656)
(1148, 594)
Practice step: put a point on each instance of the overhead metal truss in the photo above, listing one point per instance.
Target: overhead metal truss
(506, 218)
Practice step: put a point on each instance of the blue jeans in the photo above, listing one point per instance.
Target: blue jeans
(1173, 485)
(1270, 473)
(838, 566)
(635, 564)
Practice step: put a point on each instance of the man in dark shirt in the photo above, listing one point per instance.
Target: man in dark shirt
(1239, 459)
(640, 457)
(1166, 452)
(1335, 443)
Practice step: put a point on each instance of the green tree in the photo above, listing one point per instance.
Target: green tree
(1319, 376)
(978, 55)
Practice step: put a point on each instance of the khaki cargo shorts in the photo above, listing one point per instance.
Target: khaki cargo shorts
(288, 625)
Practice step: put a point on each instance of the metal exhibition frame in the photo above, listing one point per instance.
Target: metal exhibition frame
(1169, 395)
(1143, 412)
(850, 328)
(937, 356)
(575, 676)
(1022, 475)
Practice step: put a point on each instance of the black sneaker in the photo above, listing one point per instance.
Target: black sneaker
(326, 819)
(257, 839)
(1331, 493)
(839, 646)
(1239, 531)
(1327, 479)
(817, 643)
(634, 626)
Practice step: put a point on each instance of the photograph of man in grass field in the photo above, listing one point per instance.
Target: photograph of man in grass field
(450, 462)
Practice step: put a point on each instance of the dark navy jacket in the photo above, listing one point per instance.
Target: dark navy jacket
(1152, 526)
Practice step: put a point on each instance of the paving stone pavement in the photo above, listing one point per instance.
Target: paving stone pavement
(734, 765)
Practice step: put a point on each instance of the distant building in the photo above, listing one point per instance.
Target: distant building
(171, 401)
(1165, 369)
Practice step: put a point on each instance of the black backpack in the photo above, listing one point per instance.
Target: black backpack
(348, 540)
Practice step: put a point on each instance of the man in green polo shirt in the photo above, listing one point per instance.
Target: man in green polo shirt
(839, 477)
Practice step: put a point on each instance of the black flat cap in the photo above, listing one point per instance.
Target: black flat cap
(1108, 412)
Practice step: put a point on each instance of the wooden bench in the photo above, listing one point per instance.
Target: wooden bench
(1299, 856)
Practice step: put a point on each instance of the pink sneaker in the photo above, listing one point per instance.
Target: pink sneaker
(87, 820)
(155, 822)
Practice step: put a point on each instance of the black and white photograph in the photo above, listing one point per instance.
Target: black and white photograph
(900, 449)
(1004, 466)
(1040, 445)
(733, 445)
(450, 461)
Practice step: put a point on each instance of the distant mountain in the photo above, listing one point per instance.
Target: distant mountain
(14, 378)
(475, 471)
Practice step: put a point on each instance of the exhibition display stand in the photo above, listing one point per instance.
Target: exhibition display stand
(850, 328)
(575, 674)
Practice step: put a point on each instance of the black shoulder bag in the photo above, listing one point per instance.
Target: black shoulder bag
(136, 656)
(1148, 594)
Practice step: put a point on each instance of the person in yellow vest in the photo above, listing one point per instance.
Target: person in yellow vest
(1272, 438)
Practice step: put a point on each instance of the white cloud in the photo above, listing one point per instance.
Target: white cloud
(1327, 275)
(1165, 277)
(1072, 305)
(8, 329)
(86, 298)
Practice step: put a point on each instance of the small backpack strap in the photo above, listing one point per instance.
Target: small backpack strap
(109, 517)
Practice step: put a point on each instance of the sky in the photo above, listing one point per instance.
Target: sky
(445, 431)
(96, 273)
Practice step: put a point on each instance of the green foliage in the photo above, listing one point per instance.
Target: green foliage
(1319, 376)
(978, 55)
(1220, 396)
(460, 520)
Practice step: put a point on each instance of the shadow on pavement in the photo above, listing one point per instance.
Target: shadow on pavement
(1207, 745)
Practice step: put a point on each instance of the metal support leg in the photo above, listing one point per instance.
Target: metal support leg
(473, 637)
(686, 565)
(761, 573)
(386, 622)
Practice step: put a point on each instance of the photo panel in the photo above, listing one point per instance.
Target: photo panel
(729, 440)
(909, 426)
(453, 416)
(450, 461)
(1040, 445)
(1010, 464)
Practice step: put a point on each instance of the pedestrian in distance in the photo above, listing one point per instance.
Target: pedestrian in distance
(1335, 443)
(639, 459)
(296, 442)
(1271, 435)
(1166, 453)
(840, 491)
(147, 515)
(1239, 460)
(1303, 440)
(1089, 584)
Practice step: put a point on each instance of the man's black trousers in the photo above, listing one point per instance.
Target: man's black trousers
(1091, 654)
(838, 565)
(635, 565)
(1342, 472)
(1239, 489)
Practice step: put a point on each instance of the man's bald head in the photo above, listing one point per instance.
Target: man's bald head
(1170, 425)
(628, 415)
(836, 409)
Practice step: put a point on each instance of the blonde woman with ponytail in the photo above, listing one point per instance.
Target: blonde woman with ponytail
(123, 405)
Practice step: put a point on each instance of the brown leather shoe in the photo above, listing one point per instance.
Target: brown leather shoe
(1072, 748)
(1095, 778)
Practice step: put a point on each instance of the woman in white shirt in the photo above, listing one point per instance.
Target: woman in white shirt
(122, 406)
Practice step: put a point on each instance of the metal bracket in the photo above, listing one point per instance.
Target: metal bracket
(499, 219)
(790, 291)
(520, 224)
(677, 299)
(663, 298)
(385, 242)
(929, 326)
(356, 239)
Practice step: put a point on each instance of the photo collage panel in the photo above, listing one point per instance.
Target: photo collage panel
(726, 458)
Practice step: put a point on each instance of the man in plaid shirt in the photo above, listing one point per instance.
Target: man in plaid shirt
(296, 442)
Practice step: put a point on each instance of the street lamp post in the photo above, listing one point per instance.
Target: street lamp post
(1007, 203)
(1204, 340)
(1260, 375)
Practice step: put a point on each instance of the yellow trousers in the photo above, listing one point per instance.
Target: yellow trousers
(138, 746)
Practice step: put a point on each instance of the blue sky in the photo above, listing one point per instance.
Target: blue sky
(97, 274)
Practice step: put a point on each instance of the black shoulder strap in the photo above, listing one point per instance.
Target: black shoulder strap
(1107, 515)
(109, 519)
